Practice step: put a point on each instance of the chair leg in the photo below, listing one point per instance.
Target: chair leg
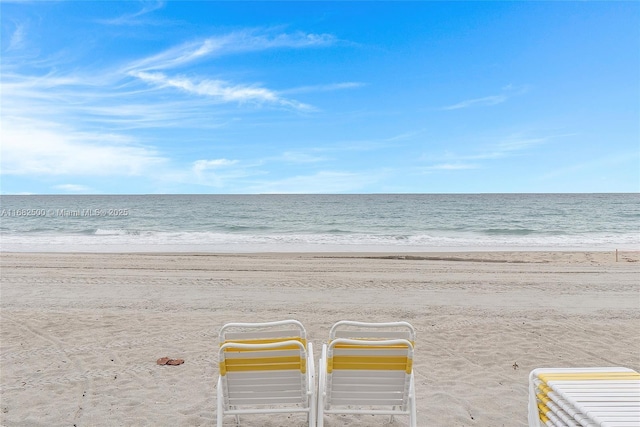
(322, 379)
(312, 411)
(320, 408)
(413, 422)
(320, 417)
(312, 398)
(220, 397)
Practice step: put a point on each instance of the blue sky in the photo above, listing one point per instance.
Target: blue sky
(319, 97)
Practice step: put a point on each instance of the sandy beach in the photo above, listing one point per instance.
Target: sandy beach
(81, 333)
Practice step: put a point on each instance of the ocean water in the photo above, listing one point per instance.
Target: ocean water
(319, 223)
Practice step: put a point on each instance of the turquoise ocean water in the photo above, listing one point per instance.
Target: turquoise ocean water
(285, 223)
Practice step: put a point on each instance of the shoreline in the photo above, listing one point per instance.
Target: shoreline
(497, 256)
(81, 332)
(285, 248)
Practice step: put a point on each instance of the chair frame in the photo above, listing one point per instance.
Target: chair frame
(383, 341)
(273, 350)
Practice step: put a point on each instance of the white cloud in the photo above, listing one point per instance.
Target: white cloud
(218, 173)
(404, 136)
(17, 40)
(486, 101)
(131, 18)
(296, 157)
(254, 40)
(200, 166)
(451, 166)
(517, 144)
(32, 147)
(511, 145)
(220, 90)
(240, 41)
(509, 91)
(177, 56)
(324, 88)
(73, 188)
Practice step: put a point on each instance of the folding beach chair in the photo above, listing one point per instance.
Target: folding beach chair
(265, 368)
(366, 368)
(607, 397)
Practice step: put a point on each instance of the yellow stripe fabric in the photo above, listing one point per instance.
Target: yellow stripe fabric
(371, 346)
(263, 364)
(589, 376)
(544, 388)
(377, 363)
(377, 347)
(543, 408)
(543, 398)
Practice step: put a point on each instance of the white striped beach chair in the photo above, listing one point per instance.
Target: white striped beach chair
(265, 368)
(367, 368)
(584, 397)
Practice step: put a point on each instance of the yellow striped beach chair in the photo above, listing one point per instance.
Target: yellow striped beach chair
(265, 368)
(367, 368)
(584, 397)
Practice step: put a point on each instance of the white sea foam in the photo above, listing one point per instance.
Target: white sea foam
(120, 240)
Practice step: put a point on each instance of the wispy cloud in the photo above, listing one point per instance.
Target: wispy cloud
(133, 18)
(236, 42)
(324, 88)
(220, 90)
(516, 144)
(17, 40)
(404, 136)
(508, 91)
(485, 101)
(451, 167)
(219, 173)
(509, 146)
(298, 157)
(200, 166)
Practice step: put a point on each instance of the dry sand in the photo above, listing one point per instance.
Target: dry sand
(81, 332)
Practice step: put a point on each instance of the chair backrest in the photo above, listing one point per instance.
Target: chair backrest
(369, 373)
(261, 333)
(372, 331)
(264, 364)
(369, 364)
